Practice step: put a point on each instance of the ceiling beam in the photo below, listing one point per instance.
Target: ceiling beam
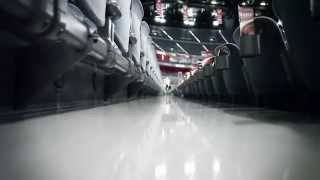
(158, 46)
(172, 39)
(186, 42)
(223, 37)
(198, 40)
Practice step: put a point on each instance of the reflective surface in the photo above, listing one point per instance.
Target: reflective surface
(162, 138)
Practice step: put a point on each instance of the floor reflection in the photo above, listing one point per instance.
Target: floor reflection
(162, 139)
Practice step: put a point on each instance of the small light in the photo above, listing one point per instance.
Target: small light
(243, 4)
(263, 3)
(216, 167)
(214, 2)
(191, 12)
(189, 168)
(160, 19)
(189, 22)
(179, 65)
(216, 23)
(163, 134)
(160, 171)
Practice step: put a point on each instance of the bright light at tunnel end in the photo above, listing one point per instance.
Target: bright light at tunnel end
(189, 168)
(160, 171)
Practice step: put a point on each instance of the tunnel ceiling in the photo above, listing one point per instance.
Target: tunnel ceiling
(187, 13)
(185, 41)
(190, 26)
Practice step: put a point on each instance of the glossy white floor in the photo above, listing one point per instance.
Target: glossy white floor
(162, 138)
